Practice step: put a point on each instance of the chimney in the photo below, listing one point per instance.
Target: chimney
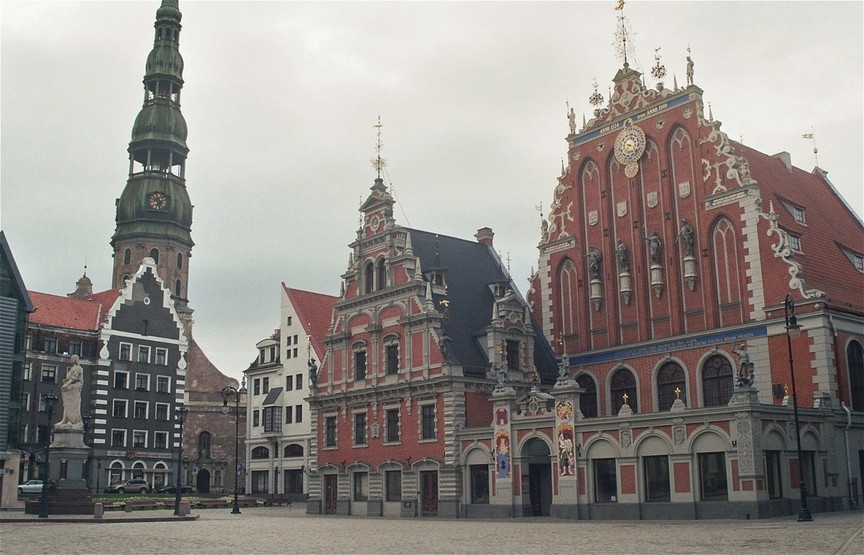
(484, 236)
(786, 158)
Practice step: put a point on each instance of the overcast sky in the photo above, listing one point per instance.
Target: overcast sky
(281, 98)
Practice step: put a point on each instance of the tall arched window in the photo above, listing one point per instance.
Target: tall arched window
(154, 254)
(179, 260)
(855, 360)
(380, 275)
(670, 378)
(588, 397)
(567, 282)
(368, 277)
(204, 445)
(716, 381)
(177, 289)
(727, 270)
(623, 383)
(127, 256)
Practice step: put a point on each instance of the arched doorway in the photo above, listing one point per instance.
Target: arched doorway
(202, 481)
(536, 462)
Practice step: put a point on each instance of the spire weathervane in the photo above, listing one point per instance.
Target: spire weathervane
(622, 34)
(813, 138)
(378, 163)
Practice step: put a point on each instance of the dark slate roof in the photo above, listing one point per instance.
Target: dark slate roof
(469, 267)
(17, 281)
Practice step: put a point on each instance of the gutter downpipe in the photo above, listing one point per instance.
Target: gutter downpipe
(853, 501)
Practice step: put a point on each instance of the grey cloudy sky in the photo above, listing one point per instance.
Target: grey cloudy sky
(281, 97)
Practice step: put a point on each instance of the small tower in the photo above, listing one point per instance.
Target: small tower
(154, 213)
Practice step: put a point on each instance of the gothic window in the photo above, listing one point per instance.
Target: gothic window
(177, 289)
(855, 360)
(727, 282)
(588, 397)
(204, 445)
(567, 282)
(380, 275)
(716, 381)
(368, 277)
(127, 256)
(154, 254)
(623, 383)
(670, 378)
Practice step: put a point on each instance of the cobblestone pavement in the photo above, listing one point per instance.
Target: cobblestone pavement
(289, 530)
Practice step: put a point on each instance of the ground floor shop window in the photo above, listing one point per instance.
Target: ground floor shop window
(259, 481)
(712, 476)
(116, 474)
(479, 484)
(294, 481)
(772, 474)
(656, 478)
(361, 486)
(605, 481)
(393, 485)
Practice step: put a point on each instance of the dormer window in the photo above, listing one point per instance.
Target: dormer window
(798, 213)
(859, 263)
(794, 242)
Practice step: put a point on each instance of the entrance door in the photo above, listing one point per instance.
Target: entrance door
(540, 480)
(429, 492)
(202, 481)
(330, 492)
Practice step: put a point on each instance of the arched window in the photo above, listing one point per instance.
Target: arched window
(623, 383)
(204, 445)
(138, 471)
(670, 378)
(567, 282)
(368, 277)
(154, 254)
(855, 360)
(293, 450)
(127, 256)
(116, 474)
(588, 397)
(177, 288)
(716, 381)
(380, 275)
(179, 261)
(260, 452)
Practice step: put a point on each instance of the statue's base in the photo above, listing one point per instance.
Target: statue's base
(63, 501)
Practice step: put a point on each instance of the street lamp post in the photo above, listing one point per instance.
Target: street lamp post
(50, 399)
(227, 393)
(178, 489)
(793, 331)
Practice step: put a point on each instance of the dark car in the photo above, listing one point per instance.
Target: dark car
(135, 485)
(173, 489)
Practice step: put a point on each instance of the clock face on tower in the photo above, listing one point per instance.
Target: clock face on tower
(157, 201)
(629, 147)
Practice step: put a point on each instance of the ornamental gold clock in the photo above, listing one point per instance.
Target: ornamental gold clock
(629, 147)
(157, 201)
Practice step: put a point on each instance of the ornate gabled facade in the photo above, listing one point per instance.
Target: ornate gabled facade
(665, 265)
(425, 326)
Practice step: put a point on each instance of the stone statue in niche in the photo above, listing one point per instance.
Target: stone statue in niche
(685, 235)
(655, 247)
(622, 256)
(595, 257)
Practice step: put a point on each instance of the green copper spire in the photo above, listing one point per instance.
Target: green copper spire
(154, 213)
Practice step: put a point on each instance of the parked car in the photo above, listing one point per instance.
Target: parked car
(138, 485)
(31, 486)
(172, 489)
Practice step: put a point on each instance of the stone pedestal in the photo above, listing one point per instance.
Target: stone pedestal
(67, 489)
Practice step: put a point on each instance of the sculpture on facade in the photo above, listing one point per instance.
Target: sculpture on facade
(685, 235)
(655, 246)
(745, 367)
(689, 70)
(595, 257)
(71, 394)
(622, 256)
(313, 371)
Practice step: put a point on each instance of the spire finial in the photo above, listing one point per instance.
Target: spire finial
(378, 163)
(812, 137)
(621, 34)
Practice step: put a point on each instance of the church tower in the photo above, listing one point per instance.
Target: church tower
(154, 213)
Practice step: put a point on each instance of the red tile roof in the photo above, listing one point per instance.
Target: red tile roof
(828, 224)
(79, 314)
(315, 311)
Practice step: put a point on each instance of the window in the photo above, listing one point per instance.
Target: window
(161, 411)
(49, 373)
(427, 424)
(381, 275)
(179, 261)
(256, 387)
(43, 402)
(289, 383)
(178, 288)
(393, 485)
(289, 416)
(154, 254)
(260, 452)
(392, 425)
(141, 409)
(259, 481)
(588, 397)
(361, 486)
(798, 213)
(121, 380)
(512, 355)
(794, 242)
(127, 256)
(75, 348)
(479, 484)
(717, 381)
(160, 440)
(295, 352)
(288, 321)
(670, 385)
(298, 381)
(656, 478)
(204, 441)
(298, 413)
(118, 438)
(143, 353)
(293, 481)
(859, 262)
(605, 481)
(142, 382)
(293, 450)
(808, 464)
(125, 351)
(43, 434)
(623, 383)
(368, 277)
(392, 354)
(25, 402)
(712, 476)
(49, 344)
(138, 471)
(256, 418)
(161, 356)
(855, 362)
(360, 429)
(163, 384)
(272, 419)
(288, 353)
(118, 409)
(330, 431)
(28, 371)
(773, 474)
(265, 385)
(139, 439)
(360, 365)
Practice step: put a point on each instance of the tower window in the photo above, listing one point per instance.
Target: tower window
(177, 289)
(154, 254)
(127, 256)
(179, 261)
